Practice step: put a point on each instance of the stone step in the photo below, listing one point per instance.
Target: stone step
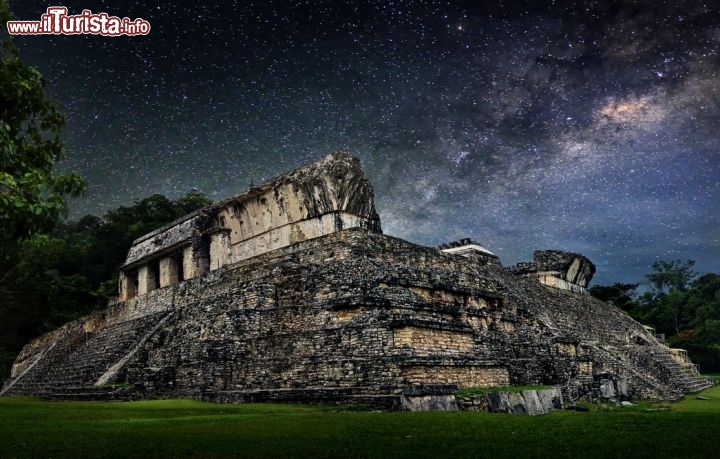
(82, 362)
(698, 385)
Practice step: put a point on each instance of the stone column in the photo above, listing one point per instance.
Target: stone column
(168, 271)
(195, 261)
(219, 248)
(189, 263)
(146, 280)
(127, 288)
(203, 260)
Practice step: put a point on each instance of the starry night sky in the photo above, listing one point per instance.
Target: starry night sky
(583, 126)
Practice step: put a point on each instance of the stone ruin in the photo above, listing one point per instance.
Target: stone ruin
(291, 292)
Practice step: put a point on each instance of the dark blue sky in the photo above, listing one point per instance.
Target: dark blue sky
(583, 126)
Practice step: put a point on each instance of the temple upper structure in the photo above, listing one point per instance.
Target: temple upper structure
(328, 196)
(470, 249)
(555, 268)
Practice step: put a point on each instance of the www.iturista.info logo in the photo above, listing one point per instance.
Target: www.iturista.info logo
(57, 22)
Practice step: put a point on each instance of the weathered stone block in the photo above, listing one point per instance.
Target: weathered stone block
(532, 402)
(517, 403)
(498, 402)
(571, 267)
(607, 389)
(550, 399)
(429, 403)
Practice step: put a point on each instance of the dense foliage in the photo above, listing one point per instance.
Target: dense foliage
(32, 193)
(680, 303)
(32, 197)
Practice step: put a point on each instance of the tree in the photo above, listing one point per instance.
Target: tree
(191, 201)
(704, 298)
(704, 305)
(621, 295)
(36, 297)
(674, 275)
(32, 194)
(664, 306)
(679, 304)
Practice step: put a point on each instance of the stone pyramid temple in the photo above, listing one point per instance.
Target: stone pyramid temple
(291, 292)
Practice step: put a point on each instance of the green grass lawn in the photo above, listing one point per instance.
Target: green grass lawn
(172, 428)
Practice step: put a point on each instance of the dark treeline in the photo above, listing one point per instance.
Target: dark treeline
(57, 277)
(680, 303)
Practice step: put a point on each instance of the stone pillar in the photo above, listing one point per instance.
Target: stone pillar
(203, 257)
(146, 280)
(168, 271)
(219, 248)
(189, 264)
(127, 288)
(195, 261)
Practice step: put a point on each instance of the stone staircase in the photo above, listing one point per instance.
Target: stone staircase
(657, 378)
(696, 384)
(79, 359)
(685, 381)
(689, 381)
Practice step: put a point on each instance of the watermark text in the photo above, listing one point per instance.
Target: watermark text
(57, 22)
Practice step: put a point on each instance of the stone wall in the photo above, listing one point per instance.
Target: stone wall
(324, 314)
(176, 233)
(423, 341)
(356, 314)
(472, 250)
(461, 376)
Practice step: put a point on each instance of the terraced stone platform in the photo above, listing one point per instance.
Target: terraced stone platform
(354, 315)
